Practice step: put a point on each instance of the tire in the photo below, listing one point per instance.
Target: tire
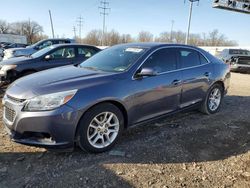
(94, 129)
(206, 108)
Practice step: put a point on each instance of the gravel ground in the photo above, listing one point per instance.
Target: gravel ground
(185, 150)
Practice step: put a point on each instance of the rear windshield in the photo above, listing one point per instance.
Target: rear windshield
(239, 52)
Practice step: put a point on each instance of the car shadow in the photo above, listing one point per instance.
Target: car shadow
(189, 137)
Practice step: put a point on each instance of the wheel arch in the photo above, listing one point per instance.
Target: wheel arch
(221, 83)
(116, 103)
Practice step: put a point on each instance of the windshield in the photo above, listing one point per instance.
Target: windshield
(114, 59)
(42, 52)
(239, 52)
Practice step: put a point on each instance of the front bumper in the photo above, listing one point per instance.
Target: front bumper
(48, 129)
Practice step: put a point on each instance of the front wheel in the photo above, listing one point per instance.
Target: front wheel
(213, 100)
(100, 128)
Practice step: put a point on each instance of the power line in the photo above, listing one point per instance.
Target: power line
(80, 23)
(104, 8)
(171, 33)
(51, 23)
(190, 18)
(74, 30)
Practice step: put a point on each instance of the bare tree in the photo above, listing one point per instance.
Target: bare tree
(4, 27)
(112, 38)
(94, 37)
(30, 29)
(164, 37)
(145, 36)
(126, 38)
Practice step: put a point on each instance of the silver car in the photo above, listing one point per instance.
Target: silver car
(17, 52)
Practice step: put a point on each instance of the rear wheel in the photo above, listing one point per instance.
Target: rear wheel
(213, 100)
(100, 128)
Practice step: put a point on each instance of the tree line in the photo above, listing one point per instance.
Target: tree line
(213, 38)
(34, 32)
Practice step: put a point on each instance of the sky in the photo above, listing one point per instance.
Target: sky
(129, 17)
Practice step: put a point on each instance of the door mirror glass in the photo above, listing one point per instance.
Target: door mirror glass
(146, 72)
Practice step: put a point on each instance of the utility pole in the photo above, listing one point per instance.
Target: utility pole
(171, 33)
(104, 8)
(51, 23)
(189, 19)
(74, 30)
(80, 23)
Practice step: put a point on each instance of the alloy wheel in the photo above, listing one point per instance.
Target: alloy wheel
(103, 129)
(214, 99)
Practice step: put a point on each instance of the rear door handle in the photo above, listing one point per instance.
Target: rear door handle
(176, 82)
(207, 74)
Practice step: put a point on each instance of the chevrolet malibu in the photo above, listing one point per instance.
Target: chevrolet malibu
(91, 104)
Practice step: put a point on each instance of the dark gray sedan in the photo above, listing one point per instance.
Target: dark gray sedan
(91, 104)
(47, 58)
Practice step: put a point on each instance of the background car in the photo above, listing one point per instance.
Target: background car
(90, 105)
(17, 52)
(8, 46)
(238, 59)
(15, 45)
(50, 57)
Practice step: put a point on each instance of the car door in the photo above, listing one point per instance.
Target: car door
(196, 73)
(83, 53)
(159, 94)
(59, 57)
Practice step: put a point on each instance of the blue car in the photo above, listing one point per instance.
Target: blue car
(91, 104)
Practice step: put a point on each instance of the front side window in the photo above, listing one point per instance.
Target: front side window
(63, 53)
(42, 52)
(162, 61)
(189, 58)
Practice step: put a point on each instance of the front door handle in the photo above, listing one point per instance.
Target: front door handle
(207, 74)
(176, 82)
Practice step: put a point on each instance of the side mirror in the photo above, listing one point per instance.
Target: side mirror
(47, 57)
(146, 72)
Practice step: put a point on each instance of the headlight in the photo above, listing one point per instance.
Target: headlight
(49, 102)
(5, 68)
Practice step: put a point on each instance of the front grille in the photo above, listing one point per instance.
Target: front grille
(9, 114)
(244, 60)
(15, 100)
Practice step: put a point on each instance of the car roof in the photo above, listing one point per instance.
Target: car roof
(155, 44)
(73, 45)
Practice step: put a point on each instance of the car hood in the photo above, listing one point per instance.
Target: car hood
(56, 80)
(21, 51)
(15, 61)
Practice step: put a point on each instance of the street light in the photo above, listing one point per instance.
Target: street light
(189, 19)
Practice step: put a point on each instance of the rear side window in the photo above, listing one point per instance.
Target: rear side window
(162, 60)
(61, 41)
(203, 59)
(86, 52)
(189, 58)
(44, 44)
